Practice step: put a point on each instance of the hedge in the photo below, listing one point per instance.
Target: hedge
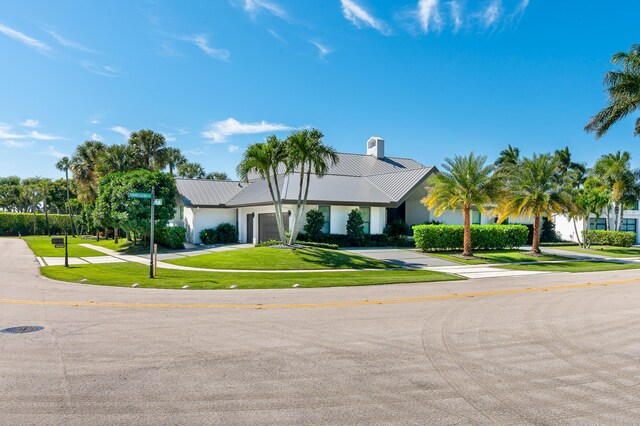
(271, 243)
(612, 238)
(225, 233)
(13, 224)
(451, 237)
(369, 240)
(171, 237)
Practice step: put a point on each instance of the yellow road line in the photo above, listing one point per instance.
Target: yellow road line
(317, 305)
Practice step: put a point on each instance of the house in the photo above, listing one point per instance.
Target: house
(383, 189)
(567, 231)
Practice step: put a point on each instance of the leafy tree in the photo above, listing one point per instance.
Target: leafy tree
(592, 199)
(306, 154)
(149, 149)
(191, 171)
(355, 228)
(533, 190)
(465, 183)
(623, 88)
(174, 159)
(217, 176)
(10, 199)
(614, 170)
(315, 222)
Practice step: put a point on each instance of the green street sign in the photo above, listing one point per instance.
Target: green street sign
(157, 201)
(140, 195)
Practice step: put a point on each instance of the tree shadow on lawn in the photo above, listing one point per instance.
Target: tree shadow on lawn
(334, 259)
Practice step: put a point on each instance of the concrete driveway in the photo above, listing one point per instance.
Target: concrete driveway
(556, 349)
(409, 258)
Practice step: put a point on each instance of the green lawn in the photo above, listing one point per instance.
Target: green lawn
(573, 266)
(493, 256)
(126, 274)
(273, 258)
(610, 251)
(41, 246)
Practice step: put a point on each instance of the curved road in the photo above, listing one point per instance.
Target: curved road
(548, 349)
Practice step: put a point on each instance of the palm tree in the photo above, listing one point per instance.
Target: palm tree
(174, 158)
(149, 149)
(307, 152)
(508, 156)
(217, 176)
(64, 164)
(615, 171)
(265, 159)
(533, 190)
(84, 165)
(191, 171)
(464, 182)
(623, 89)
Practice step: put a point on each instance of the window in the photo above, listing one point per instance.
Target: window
(181, 212)
(326, 211)
(365, 212)
(475, 217)
(600, 226)
(628, 225)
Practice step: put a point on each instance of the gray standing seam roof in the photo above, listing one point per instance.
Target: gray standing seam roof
(205, 192)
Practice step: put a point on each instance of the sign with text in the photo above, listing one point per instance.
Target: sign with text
(157, 201)
(140, 195)
(57, 240)
(59, 245)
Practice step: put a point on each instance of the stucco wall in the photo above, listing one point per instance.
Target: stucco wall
(197, 219)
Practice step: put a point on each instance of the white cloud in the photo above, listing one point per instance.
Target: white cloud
(103, 70)
(7, 133)
(93, 136)
(233, 148)
(53, 152)
(429, 15)
(276, 35)
(202, 41)
(254, 6)
(69, 43)
(121, 130)
(456, 15)
(42, 136)
(30, 122)
(518, 11)
(491, 14)
(220, 130)
(323, 50)
(169, 137)
(358, 16)
(17, 145)
(23, 38)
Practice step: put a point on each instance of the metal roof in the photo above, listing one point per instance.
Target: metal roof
(208, 193)
(398, 185)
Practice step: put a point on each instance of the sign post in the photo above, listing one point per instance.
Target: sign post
(153, 219)
(66, 250)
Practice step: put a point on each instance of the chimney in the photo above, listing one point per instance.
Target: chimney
(375, 147)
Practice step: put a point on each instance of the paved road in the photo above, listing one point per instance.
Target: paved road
(568, 355)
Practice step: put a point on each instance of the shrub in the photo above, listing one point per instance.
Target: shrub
(612, 238)
(548, 232)
(320, 245)
(225, 233)
(171, 236)
(450, 237)
(269, 243)
(315, 222)
(208, 236)
(13, 224)
(396, 228)
(530, 231)
(355, 228)
(369, 240)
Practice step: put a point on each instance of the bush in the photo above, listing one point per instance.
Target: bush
(269, 243)
(396, 228)
(320, 245)
(548, 232)
(171, 236)
(355, 228)
(369, 240)
(225, 233)
(14, 224)
(612, 238)
(559, 244)
(530, 231)
(450, 237)
(315, 222)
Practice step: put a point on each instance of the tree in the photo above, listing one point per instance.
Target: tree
(84, 169)
(465, 183)
(508, 157)
(306, 153)
(623, 89)
(592, 199)
(64, 164)
(116, 158)
(615, 171)
(265, 160)
(191, 171)
(10, 194)
(217, 176)
(533, 190)
(149, 149)
(355, 227)
(314, 225)
(174, 159)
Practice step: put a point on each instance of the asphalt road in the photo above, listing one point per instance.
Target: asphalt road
(470, 352)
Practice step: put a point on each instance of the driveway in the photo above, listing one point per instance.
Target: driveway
(554, 349)
(409, 258)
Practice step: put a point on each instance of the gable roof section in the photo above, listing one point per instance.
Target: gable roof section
(208, 193)
(399, 185)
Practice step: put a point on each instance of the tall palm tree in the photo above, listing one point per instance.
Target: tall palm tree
(465, 183)
(309, 154)
(623, 89)
(508, 156)
(191, 171)
(174, 158)
(64, 164)
(84, 168)
(217, 176)
(149, 149)
(265, 160)
(532, 190)
(115, 158)
(615, 171)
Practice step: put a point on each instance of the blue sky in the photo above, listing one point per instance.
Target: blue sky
(434, 78)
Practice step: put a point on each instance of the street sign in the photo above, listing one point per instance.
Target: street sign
(59, 245)
(57, 240)
(140, 195)
(157, 201)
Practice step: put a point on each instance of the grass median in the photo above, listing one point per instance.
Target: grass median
(126, 274)
(578, 266)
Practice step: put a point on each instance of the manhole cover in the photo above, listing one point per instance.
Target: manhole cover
(22, 329)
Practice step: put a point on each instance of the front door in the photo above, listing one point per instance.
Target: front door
(250, 229)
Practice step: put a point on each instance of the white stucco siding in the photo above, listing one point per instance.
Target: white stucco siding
(416, 213)
(565, 228)
(204, 218)
(189, 224)
(339, 216)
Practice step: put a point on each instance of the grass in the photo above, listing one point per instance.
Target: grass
(494, 256)
(41, 246)
(573, 266)
(610, 251)
(126, 274)
(273, 258)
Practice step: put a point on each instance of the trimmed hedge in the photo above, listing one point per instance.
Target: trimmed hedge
(171, 237)
(612, 238)
(451, 237)
(225, 233)
(12, 224)
(370, 240)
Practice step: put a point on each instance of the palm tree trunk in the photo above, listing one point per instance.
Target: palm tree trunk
(278, 206)
(575, 228)
(535, 244)
(467, 233)
(606, 219)
(296, 229)
(46, 213)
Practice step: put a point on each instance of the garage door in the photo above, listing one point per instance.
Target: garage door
(268, 226)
